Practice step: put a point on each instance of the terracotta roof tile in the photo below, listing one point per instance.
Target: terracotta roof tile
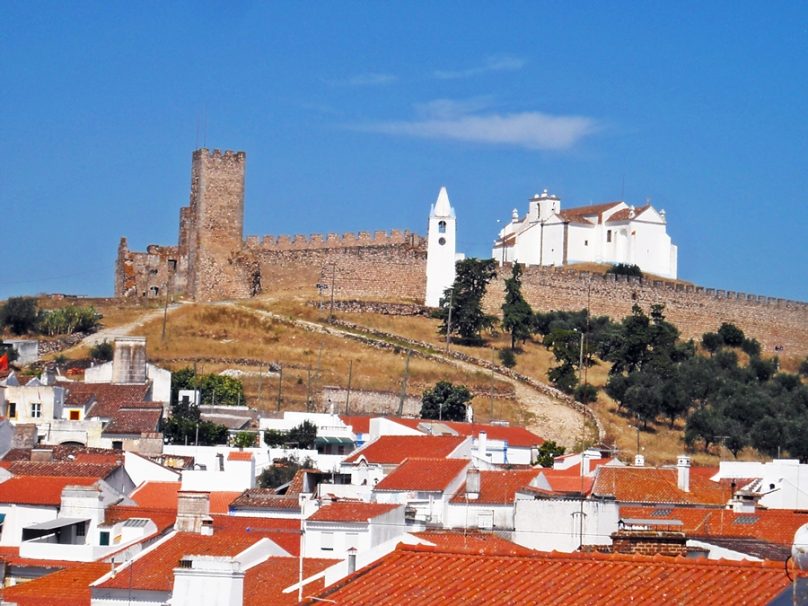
(392, 450)
(350, 511)
(264, 498)
(655, 485)
(134, 421)
(514, 435)
(471, 541)
(264, 583)
(773, 525)
(427, 475)
(61, 468)
(358, 423)
(108, 397)
(68, 587)
(577, 215)
(163, 495)
(163, 518)
(573, 579)
(39, 490)
(235, 455)
(499, 487)
(624, 214)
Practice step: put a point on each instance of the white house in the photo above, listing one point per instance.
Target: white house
(441, 251)
(338, 527)
(777, 484)
(614, 232)
(488, 502)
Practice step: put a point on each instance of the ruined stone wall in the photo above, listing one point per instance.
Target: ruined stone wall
(379, 272)
(148, 274)
(693, 309)
(216, 226)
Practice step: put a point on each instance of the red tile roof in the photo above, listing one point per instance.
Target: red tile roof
(68, 587)
(358, 423)
(654, 485)
(60, 468)
(624, 214)
(576, 215)
(392, 450)
(772, 525)
(108, 397)
(498, 487)
(39, 490)
(574, 579)
(235, 455)
(427, 475)
(471, 541)
(162, 518)
(264, 498)
(163, 495)
(134, 421)
(515, 436)
(350, 511)
(231, 536)
(264, 583)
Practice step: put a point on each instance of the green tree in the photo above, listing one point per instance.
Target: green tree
(548, 451)
(767, 435)
(517, 316)
(245, 439)
(275, 438)
(712, 342)
(586, 393)
(282, 471)
(566, 347)
(103, 351)
(20, 314)
(625, 269)
(464, 298)
(214, 389)
(445, 401)
(507, 357)
(732, 335)
(751, 347)
(303, 435)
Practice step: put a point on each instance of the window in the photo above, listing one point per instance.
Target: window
(103, 538)
(36, 410)
(442, 227)
(153, 272)
(586, 242)
(117, 445)
(81, 530)
(609, 236)
(11, 410)
(154, 290)
(75, 415)
(172, 264)
(327, 541)
(441, 241)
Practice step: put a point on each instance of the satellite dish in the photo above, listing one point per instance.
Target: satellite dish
(799, 550)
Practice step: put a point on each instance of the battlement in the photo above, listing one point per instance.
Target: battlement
(204, 152)
(335, 241)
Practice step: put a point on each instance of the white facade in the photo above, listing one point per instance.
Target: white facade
(564, 524)
(441, 249)
(602, 233)
(780, 483)
(333, 539)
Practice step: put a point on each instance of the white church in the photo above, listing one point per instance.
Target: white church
(613, 232)
(441, 251)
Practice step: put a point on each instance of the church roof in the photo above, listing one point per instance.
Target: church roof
(624, 214)
(582, 213)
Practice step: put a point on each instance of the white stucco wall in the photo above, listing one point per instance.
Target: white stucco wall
(555, 524)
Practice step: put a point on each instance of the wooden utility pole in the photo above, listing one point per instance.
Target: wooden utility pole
(404, 381)
(348, 395)
(280, 388)
(308, 389)
(449, 319)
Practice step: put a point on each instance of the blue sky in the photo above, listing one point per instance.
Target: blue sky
(354, 114)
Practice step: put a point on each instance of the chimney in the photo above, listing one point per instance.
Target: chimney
(683, 473)
(41, 455)
(482, 445)
(352, 560)
(649, 542)
(129, 360)
(472, 484)
(639, 460)
(193, 512)
(200, 579)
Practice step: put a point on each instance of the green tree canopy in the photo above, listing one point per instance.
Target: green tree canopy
(20, 314)
(517, 316)
(464, 298)
(445, 401)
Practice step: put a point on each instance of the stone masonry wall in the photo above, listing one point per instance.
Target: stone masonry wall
(693, 309)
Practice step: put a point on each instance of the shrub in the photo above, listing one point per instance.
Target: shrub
(102, 351)
(586, 393)
(445, 401)
(507, 357)
(20, 314)
(732, 335)
(625, 269)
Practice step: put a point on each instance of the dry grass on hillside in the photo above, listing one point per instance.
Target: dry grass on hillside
(219, 337)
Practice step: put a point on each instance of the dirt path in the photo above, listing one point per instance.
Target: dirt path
(109, 334)
(551, 419)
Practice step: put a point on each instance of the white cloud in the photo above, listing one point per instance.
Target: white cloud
(491, 64)
(460, 121)
(368, 79)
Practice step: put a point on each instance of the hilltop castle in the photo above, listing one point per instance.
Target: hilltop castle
(212, 260)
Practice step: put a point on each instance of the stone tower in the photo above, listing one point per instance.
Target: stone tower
(214, 236)
(441, 247)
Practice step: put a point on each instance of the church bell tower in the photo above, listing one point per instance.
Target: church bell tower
(441, 249)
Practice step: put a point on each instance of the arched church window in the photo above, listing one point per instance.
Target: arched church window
(442, 227)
